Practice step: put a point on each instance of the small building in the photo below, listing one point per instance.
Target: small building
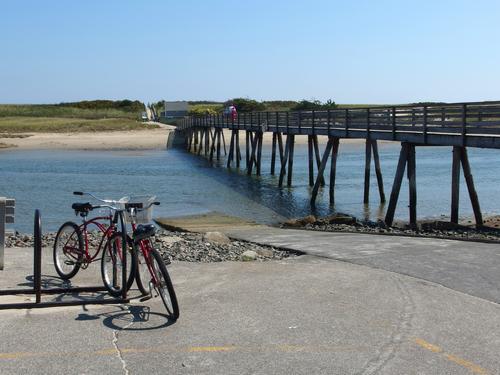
(172, 110)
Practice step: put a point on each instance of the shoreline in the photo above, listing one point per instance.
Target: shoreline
(149, 139)
(344, 223)
(130, 140)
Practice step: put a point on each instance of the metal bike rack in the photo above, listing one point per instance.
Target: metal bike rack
(37, 289)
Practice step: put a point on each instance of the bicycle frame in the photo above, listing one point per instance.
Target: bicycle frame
(106, 233)
(145, 248)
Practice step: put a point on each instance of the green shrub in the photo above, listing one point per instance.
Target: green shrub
(202, 111)
(307, 105)
(246, 105)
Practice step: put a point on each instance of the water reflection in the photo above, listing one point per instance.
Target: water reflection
(187, 183)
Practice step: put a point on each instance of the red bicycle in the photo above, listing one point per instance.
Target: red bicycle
(72, 250)
(151, 273)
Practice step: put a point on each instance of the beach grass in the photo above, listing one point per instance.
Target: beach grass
(46, 110)
(25, 124)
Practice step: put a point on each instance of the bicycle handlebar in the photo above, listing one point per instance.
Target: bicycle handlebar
(110, 201)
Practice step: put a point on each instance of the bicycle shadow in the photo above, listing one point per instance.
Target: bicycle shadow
(130, 318)
(47, 281)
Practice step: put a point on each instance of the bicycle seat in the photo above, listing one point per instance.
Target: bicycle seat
(82, 207)
(144, 231)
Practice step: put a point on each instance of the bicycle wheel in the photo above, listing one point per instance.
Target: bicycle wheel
(163, 284)
(143, 275)
(68, 250)
(111, 265)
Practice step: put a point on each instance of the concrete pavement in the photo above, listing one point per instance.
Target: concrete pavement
(469, 267)
(304, 315)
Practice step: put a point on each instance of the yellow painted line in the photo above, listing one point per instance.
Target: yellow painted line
(17, 355)
(189, 349)
(471, 366)
(193, 349)
(424, 344)
(476, 369)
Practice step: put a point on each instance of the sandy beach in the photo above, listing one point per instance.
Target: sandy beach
(149, 139)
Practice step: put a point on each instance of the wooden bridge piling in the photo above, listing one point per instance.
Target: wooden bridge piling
(321, 170)
(396, 186)
(460, 157)
(378, 171)
(290, 159)
(284, 162)
(238, 151)
(412, 185)
(310, 159)
(368, 161)
(333, 169)
(371, 147)
(273, 152)
(318, 156)
(455, 184)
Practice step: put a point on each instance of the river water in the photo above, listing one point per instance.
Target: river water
(188, 184)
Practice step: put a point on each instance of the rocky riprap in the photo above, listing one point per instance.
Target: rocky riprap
(432, 229)
(182, 246)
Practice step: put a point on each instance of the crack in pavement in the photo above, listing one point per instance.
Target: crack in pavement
(388, 350)
(119, 353)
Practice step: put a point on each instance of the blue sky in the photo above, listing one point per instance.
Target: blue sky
(350, 51)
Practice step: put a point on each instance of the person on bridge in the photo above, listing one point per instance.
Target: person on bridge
(233, 111)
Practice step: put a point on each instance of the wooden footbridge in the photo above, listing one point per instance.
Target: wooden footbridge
(459, 125)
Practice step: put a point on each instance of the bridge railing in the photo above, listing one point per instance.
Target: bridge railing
(480, 119)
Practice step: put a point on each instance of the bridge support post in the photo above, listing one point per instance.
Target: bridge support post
(218, 142)
(396, 186)
(368, 161)
(412, 184)
(212, 147)
(333, 170)
(372, 147)
(247, 144)
(311, 160)
(378, 171)
(200, 141)
(254, 143)
(455, 184)
(290, 159)
(280, 146)
(273, 153)
(223, 140)
(207, 141)
(238, 151)
(321, 169)
(259, 136)
(284, 161)
(318, 156)
(231, 149)
(460, 157)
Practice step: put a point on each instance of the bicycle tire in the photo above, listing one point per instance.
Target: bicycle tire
(142, 274)
(71, 229)
(112, 277)
(165, 289)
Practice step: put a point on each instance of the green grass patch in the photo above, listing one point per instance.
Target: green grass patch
(23, 124)
(42, 110)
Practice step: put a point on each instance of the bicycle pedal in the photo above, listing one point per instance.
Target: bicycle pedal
(145, 298)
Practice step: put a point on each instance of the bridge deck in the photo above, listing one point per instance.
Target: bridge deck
(459, 124)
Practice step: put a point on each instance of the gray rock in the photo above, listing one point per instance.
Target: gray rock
(216, 237)
(248, 255)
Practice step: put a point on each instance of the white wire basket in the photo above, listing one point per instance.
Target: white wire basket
(142, 214)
